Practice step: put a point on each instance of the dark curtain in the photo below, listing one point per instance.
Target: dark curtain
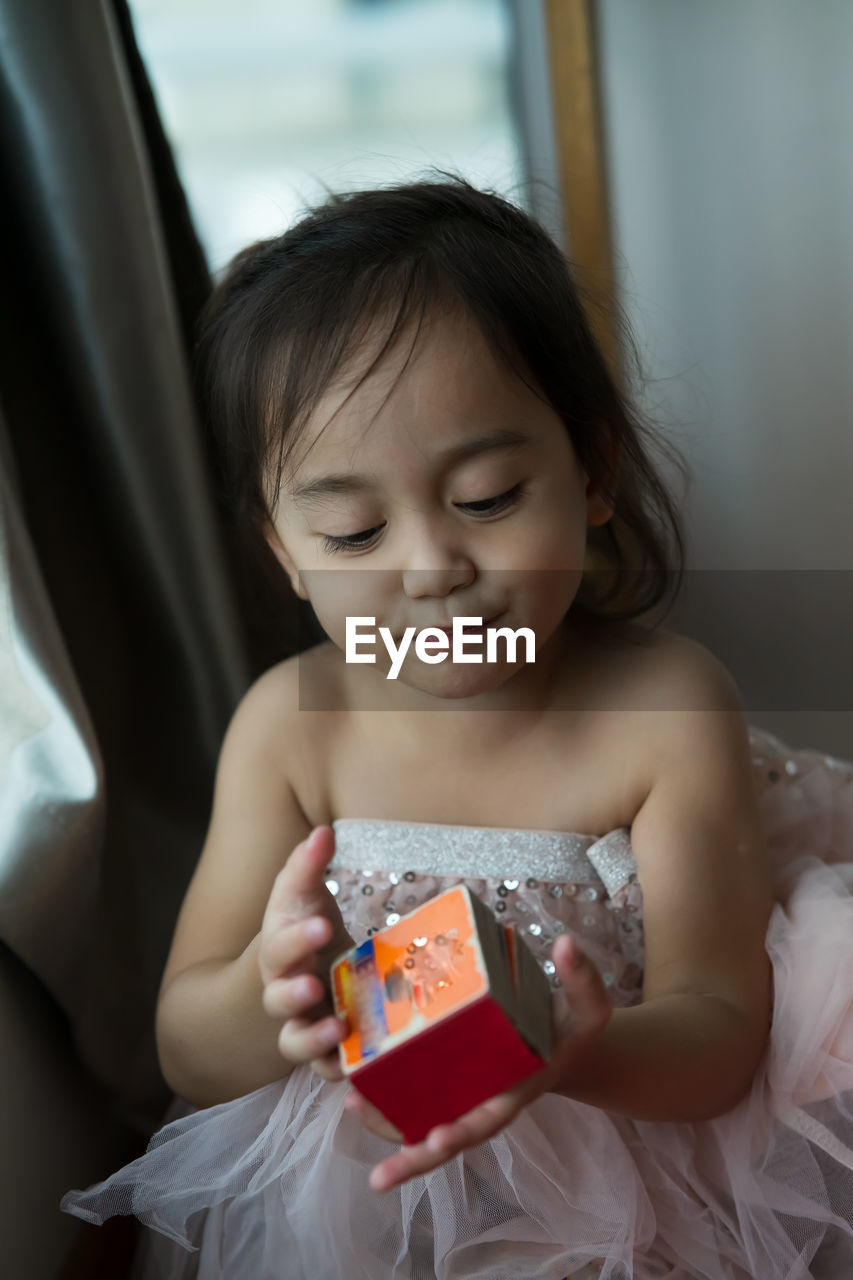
(130, 624)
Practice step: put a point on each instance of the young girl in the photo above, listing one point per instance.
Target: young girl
(413, 412)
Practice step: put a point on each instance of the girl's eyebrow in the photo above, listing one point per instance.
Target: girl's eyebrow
(504, 438)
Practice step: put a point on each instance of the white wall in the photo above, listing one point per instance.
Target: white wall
(729, 131)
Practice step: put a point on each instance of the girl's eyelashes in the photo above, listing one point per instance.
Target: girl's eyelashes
(348, 542)
(484, 507)
(488, 506)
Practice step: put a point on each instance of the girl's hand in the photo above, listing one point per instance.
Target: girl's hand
(302, 933)
(591, 1010)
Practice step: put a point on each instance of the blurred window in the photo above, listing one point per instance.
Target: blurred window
(270, 102)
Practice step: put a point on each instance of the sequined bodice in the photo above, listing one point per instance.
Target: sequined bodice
(544, 882)
(550, 882)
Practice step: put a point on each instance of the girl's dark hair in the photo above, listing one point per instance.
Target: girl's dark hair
(292, 311)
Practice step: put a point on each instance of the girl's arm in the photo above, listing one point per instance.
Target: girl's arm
(691, 1049)
(678, 1057)
(215, 1039)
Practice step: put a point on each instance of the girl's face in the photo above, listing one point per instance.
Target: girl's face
(442, 489)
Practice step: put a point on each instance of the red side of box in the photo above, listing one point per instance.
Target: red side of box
(447, 1069)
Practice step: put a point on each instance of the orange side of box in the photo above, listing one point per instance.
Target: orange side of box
(409, 976)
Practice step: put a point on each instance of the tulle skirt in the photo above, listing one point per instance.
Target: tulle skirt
(273, 1186)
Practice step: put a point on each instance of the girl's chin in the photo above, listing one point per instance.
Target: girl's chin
(451, 682)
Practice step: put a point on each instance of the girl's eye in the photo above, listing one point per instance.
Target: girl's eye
(349, 541)
(485, 506)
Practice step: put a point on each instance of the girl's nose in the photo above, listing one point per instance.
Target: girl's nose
(437, 564)
(418, 583)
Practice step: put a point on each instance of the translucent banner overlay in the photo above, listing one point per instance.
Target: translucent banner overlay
(786, 636)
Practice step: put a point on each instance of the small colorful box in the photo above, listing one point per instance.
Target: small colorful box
(446, 1008)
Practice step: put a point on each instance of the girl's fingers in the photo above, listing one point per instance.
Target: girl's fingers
(291, 946)
(302, 1040)
(440, 1146)
(299, 888)
(584, 988)
(445, 1141)
(287, 997)
(328, 1068)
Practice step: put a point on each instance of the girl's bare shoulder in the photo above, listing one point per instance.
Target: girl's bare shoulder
(299, 706)
(312, 681)
(645, 692)
(681, 674)
(637, 668)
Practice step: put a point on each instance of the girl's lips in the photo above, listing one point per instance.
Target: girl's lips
(448, 631)
(469, 628)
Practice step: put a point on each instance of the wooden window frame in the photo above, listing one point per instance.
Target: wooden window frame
(576, 106)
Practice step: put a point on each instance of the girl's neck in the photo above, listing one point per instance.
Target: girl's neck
(515, 705)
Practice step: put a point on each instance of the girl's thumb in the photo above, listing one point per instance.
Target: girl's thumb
(301, 877)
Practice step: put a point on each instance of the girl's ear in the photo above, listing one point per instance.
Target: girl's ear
(598, 508)
(278, 549)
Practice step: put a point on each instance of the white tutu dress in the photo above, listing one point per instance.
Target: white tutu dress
(273, 1186)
